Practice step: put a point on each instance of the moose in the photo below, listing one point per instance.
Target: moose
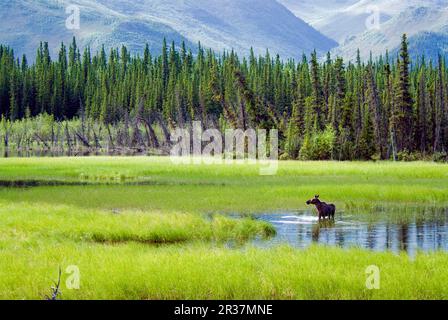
(325, 210)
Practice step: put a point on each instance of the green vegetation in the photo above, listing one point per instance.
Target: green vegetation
(391, 108)
(156, 184)
(142, 228)
(63, 223)
(136, 271)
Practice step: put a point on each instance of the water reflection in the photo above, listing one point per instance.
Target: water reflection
(78, 152)
(419, 232)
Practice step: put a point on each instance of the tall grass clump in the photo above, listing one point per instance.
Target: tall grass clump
(54, 223)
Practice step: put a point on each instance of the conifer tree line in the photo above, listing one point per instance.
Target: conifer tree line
(387, 108)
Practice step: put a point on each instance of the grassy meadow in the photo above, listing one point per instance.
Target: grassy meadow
(143, 228)
(157, 184)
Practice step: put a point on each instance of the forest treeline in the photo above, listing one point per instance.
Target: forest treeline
(385, 108)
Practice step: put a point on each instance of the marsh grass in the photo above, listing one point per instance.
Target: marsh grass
(400, 214)
(156, 184)
(141, 228)
(136, 271)
(33, 224)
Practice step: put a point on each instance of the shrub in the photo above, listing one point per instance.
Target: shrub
(407, 156)
(440, 157)
(319, 146)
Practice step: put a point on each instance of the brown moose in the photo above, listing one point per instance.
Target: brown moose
(325, 210)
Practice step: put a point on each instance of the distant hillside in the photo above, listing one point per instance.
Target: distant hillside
(425, 27)
(425, 21)
(428, 44)
(218, 24)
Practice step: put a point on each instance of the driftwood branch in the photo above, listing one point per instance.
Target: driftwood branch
(55, 290)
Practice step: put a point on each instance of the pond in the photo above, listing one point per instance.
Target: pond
(424, 230)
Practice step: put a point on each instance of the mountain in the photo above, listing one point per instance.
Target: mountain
(426, 27)
(347, 22)
(319, 13)
(25, 23)
(428, 44)
(341, 20)
(218, 24)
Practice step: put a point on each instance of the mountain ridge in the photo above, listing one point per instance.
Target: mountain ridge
(416, 22)
(424, 21)
(217, 24)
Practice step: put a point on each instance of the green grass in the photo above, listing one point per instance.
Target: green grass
(136, 271)
(142, 228)
(223, 188)
(31, 224)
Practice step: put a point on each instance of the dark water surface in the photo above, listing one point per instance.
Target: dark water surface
(426, 230)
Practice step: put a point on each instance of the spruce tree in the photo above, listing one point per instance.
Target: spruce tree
(402, 117)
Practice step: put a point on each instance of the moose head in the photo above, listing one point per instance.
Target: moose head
(313, 201)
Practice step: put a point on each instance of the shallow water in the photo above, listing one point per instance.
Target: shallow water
(79, 152)
(378, 232)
